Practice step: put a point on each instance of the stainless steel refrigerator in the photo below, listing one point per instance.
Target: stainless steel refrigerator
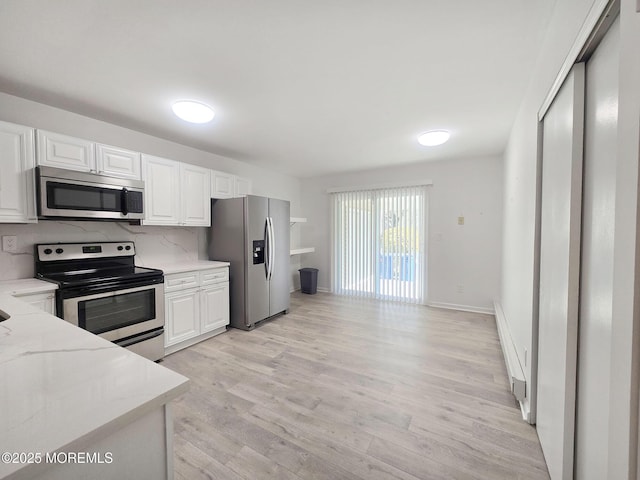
(253, 234)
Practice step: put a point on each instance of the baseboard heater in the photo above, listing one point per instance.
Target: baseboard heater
(514, 369)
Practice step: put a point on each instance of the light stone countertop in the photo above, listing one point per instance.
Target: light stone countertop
(26, 286)
(170, 268)
(62, 387)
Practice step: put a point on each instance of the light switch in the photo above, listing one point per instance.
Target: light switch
(460, 220)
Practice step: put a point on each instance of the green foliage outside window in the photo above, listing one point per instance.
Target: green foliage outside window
(400, 240)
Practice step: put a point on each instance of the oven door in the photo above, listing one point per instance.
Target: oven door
(117, 314)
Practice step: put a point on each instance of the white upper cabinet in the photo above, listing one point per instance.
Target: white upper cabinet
(17, 184)
(222, 185)
(62, 151)
(226, 185)
(243, 187)
(162, 191)
(196, 195)
(118, 162)
(175, 193)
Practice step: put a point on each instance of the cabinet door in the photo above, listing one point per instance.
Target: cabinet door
(56, 150)
(162, 191)
(243, 187)
(44, 301)
(215, 307)
(17, 188)
(196, 195)
(182, 316)
(222, 185)
(118, 162)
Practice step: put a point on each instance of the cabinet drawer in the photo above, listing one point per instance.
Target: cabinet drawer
(180, 281)
(214, 276)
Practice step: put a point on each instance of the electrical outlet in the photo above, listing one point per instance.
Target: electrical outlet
(460, 220)
(460, 288)
(9, 243)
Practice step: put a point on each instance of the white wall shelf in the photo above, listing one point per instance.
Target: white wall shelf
(300, 251)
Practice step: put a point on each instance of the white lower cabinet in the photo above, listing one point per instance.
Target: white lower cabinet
(196, 307)
(182, 320)
(44, 301)
(214, 301)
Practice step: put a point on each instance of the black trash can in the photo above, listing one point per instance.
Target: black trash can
(308, 280)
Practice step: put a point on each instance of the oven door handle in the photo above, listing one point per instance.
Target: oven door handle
(139, 338)
(71, 295)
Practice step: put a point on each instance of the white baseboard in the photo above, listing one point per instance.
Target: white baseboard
(515, 371)
(462, 308)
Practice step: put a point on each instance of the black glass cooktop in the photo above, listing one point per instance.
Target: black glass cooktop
(102, 275)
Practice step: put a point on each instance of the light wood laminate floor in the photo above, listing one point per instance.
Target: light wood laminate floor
(344, 388)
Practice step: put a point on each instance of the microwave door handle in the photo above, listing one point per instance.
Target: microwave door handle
(124, 202)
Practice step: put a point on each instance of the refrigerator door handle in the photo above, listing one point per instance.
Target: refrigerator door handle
(272, 248)
(267, 247)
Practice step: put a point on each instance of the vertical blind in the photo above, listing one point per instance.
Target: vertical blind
(378, 247)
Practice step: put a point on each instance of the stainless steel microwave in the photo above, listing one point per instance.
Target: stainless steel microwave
(78, 195)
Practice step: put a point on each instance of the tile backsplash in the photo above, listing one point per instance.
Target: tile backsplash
(153, 244)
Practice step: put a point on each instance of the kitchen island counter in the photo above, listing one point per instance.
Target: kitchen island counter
(66, 390)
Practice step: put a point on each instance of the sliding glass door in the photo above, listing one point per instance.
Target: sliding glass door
(379, 243)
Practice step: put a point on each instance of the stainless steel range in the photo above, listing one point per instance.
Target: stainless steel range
(101, 290)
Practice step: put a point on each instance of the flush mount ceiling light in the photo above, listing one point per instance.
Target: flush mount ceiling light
(192, 111)
(433, 138)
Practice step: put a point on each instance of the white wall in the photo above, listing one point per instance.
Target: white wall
(520, 183)
(180, 242)
(467, 255)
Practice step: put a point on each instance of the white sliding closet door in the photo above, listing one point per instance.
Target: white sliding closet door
(559, 274)
(596, 285)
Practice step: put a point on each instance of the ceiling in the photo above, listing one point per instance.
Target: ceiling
(303, 87)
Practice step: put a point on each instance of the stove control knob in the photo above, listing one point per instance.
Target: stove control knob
(119, 247)
(48, 251)
(59, 251)
(128, 247)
